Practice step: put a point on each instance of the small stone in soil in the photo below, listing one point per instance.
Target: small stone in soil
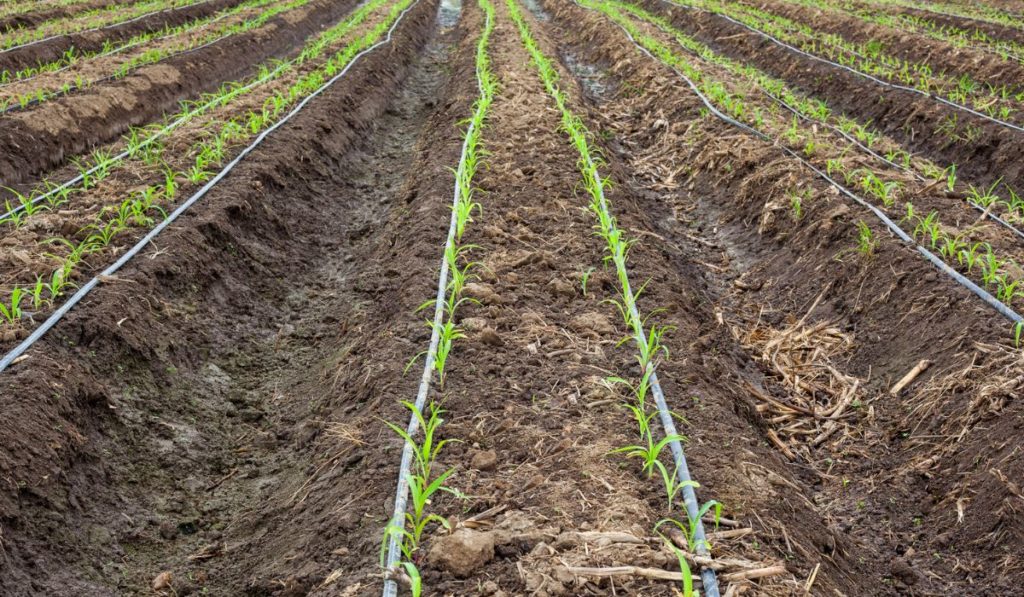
(484, 460)
(463, 552)
(490, 337)
(162, 581)
(560, 286)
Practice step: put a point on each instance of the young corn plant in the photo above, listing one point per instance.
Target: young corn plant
(423, 483)
(865, 239)
(11, 312)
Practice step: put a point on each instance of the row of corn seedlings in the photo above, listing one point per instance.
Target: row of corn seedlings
(12, 9)
(877, 187)
(141, 207)
(956, 250)
(152, 56)
(996, 105)
(404, 534)
(648, 337)
(106, 16)
(74, 55)
(144, 145)
(958, 37)
(979, 11)
(813, 109)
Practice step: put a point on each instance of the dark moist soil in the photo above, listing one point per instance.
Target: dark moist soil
(44, 137)
(891, 487)
(995, 30)
(33, 18)
(211, 420)
(913, 120)
(91, 41)
(183, 409)
(953, 210)
(943, 57)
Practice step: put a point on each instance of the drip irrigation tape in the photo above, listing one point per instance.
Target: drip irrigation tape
(117, 24)
(149, 140)
(852, 70)
(59, 314)
(891, 163)
(195, 27)
(61, 93)
(983, 294)
(402, 491)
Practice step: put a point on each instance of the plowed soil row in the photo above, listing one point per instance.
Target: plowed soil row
(982, 150)
(34, 141)
(212, 420)
(91, 41)
(942, 57)
(34, 17)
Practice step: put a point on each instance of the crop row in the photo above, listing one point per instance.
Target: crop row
(12, 9)
(960, 37)
(94, 19)
(73, 55)
(217, 136)
(979, 11)
(11, 100)
(996, 103)
(647, 337)
(979, 259)
(404, 534)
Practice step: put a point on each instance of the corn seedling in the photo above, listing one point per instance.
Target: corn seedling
(11, 312)
(984, 197)
(865, 239)
(971, 256)
(422, 483)
(684, 569)
(584, 278)
(689, 529)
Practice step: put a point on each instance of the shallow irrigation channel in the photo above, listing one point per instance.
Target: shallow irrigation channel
(185, 437)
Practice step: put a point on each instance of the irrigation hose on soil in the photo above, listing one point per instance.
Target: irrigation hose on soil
(984, 211)
(59, 314)
(983, 294)
(109, 26)
(852, 70)
(149, 141)
(402, 490)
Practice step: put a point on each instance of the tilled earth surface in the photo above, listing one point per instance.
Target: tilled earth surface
(211, 420)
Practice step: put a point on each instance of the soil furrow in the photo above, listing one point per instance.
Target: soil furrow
(91, 41)
(34, 141)
(982, 151)
(167, 451)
